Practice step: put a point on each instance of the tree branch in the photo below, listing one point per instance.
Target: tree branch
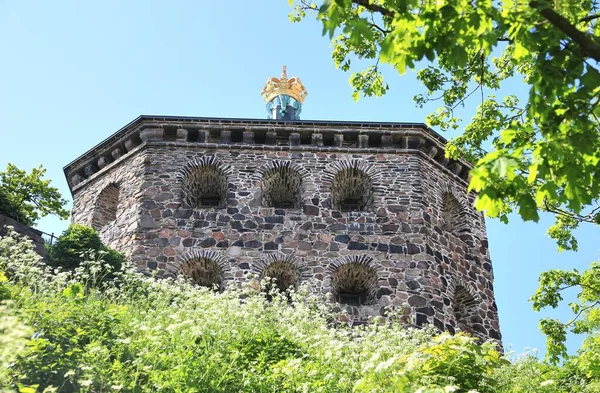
(588, 46)
(590, 306)
(375, 25)
(306, 5)
(374, 7)
(462, 100)
(589, 18)
(581, 218)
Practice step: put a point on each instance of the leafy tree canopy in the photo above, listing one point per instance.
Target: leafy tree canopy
(586, 312)
(27, 197)
(545, 152)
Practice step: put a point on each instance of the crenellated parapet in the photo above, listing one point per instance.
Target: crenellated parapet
(217, 133)
(371, 214)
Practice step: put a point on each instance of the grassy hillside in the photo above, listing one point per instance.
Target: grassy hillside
(96, 330)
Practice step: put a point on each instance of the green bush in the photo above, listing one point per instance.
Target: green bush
(4, 292)
(12, 209)
(139, 334)
(71, 248)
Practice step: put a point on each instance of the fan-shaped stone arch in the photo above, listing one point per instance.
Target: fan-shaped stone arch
(465, 301)
(352, 184)
(106, 206)
(452, 213)
(204, 182)
(286, 269)
(281, 184)
(204, 268)
(284, 274)
(354, 280)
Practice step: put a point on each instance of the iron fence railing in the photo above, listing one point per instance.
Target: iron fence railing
(49, 238)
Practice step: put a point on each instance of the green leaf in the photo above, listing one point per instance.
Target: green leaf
(531, 177)
(502, 166)
(487, 202)
(74, 291)
(528, 208)
(508, 135)
(520, 51)
(28, 389)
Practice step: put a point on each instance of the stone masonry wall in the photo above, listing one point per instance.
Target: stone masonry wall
(371, 213)
(32, 233)
(92, 202)
(461, 262)
(419, 267)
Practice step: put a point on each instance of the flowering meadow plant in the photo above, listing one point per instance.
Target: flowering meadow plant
(77, 331)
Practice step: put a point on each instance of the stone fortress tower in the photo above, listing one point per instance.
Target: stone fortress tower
(372, 213)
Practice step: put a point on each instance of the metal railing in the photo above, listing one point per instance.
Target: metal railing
(49, 238)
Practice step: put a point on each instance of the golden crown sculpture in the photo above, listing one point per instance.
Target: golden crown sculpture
(291, 87)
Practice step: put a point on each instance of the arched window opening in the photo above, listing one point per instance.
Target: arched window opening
(351, 190)
(465, 308)
(282, 187)
(283, 274)
(203, 271)
(354, 284)
(106, 207)
(451, 212)
(205, 186)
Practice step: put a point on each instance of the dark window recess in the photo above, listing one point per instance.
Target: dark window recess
(211, 201)
(192, 136)
(170, 133)
(260, 137)
(237, 136)
(351, 205)
(305, 139)
(214, 135)
(350, 137)
(352, 299)
(284, 204)
(374, 140)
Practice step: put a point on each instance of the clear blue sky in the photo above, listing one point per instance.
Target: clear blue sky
(73, 72)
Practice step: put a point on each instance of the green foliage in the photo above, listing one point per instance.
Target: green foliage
(27, 197)
(13, 341)
(70, 249)
(139, 334)
(562, 232)
(4, 292)
(452, 361)
(545, 154)
(546, 151)
(586, 312)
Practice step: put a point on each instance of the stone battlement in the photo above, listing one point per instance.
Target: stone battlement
(369, 213)
(215, 133)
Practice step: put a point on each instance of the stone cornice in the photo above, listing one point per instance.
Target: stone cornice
(305, 135)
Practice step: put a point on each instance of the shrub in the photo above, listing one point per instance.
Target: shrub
(139, 334)
(70, 249)
(4, 292)
(11, 209)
